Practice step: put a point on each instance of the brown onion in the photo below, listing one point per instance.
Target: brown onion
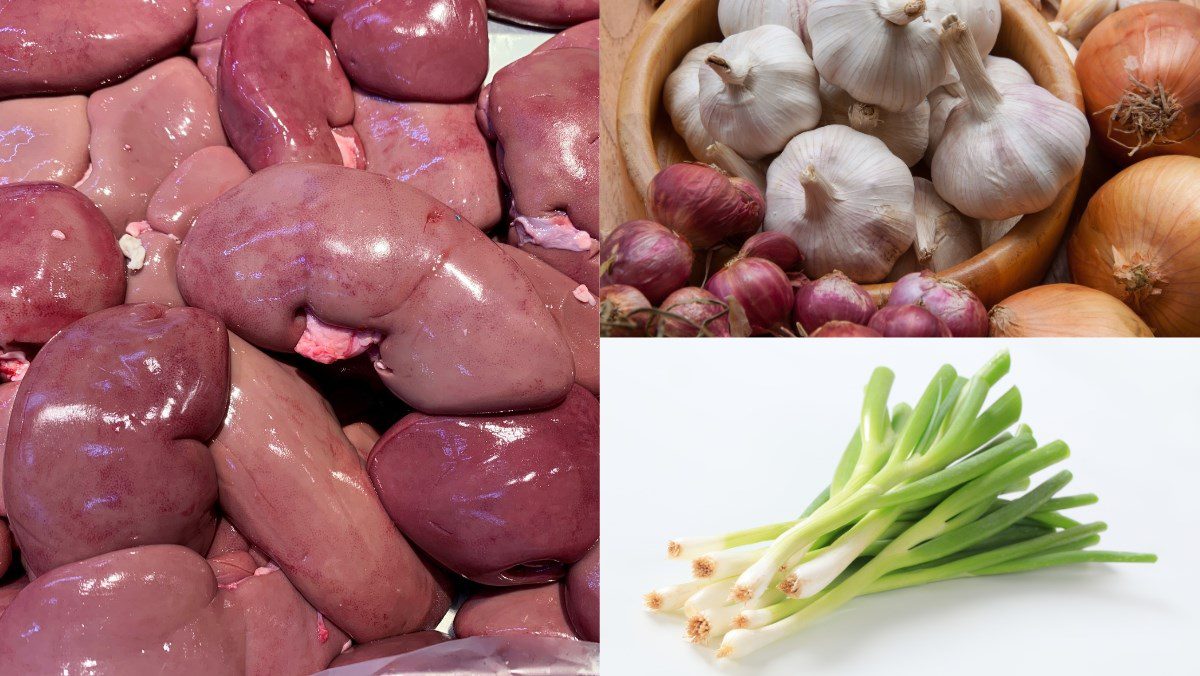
(1138, 71)
(692, 311)
(647, 256)
(624, 311)
(760, 287)
(840, 329)
(908, 321)
(704, 204)
(1065, 310)
(834, 297)
(948, 300)
(1139, 240)
(777, 247)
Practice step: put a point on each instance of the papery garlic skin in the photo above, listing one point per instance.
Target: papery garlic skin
(681, 98)
(990, 232)
(945, 237)
(982, 18)
(1001, 71)
(1006, 151)
(906, 134)
(876, 50)
(738, 16)
(759, 89)
(845, 199)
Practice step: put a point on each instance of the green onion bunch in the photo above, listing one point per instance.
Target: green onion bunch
(936, 491)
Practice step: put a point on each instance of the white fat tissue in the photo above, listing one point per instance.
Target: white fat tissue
(552, 232)
(327, 343)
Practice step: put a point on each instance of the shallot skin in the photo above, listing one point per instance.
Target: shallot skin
(705, 205)
(702, 314)
(760, 287)
(777, 247)
(908, 321)
(844, 329)
(953, 303)
(834, 297)
(647, 256)
(624, 311)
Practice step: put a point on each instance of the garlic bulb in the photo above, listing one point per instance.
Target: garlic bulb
(906, 134)
(681, 98)
(1000, 71)
(738, 16)
(845, 199)
(883, 52)
(982, 18)
(945, 237)
(734, 165)
(1076, 19)
(758, 91)
(1005, 151)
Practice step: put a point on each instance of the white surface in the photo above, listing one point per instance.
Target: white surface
(508, 42)
(702, 437)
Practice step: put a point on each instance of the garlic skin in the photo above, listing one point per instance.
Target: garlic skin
(982, 18)
(1000, 71)
(739, 16)
(883, 52)
(990, 232)
(1006, 151)
(845, 199)
(759, 90)
(906, 134)
(945, 237)
(681, 98)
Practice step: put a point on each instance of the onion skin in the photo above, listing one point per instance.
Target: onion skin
(908, 321)
(697, 306)
(1139, 241)
(1065, 311)
(777, 247)
(763, 290)
(624, 311)
(834, 297)
(953, 303)
(1163, 40)
(840, 329)
(705, 205)
(647, 256)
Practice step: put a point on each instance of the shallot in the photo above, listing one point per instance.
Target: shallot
(840, 329)
(908, 321)
(624, 311)
(647, 256)
(762, 290)
(704, 204)
(776, 247)
(947, 299)
(692, 311)
(834, 297)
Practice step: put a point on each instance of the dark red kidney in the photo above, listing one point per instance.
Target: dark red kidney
(834, 297)
(387, 647)
(763, 290)
(647, 256)
(533, 611)
(583, 595)
(535, 476)
(698, 313)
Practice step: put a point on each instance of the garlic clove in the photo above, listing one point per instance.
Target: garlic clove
(681, 98)
(883, 52)
(845, 199)
(759, 89)
(945, 237)
(990, 232)
(1005, 151)
(906, 134)
(982, 18)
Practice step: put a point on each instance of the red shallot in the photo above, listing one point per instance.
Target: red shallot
(624, 311)
(692, 311)
(704, 204)
(777, 247)
(953, 303)
(908, 321)
(840, 329)
(760, 287)
(647, 256)
(834, 297)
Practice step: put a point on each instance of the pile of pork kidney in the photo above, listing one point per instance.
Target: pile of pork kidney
(298, 346)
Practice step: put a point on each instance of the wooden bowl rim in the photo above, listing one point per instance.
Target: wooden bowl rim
(1036, 236)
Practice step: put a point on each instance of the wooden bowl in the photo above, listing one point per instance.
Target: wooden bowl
(648, 142)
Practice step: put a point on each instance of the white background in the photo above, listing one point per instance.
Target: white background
(703, 437)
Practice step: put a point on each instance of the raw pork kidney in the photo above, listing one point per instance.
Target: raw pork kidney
(43, 139)
(534, 611)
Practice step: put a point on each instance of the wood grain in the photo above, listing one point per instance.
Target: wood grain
(646, 141)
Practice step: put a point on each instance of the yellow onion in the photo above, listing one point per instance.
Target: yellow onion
(1065, 310)
(1139, 241)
